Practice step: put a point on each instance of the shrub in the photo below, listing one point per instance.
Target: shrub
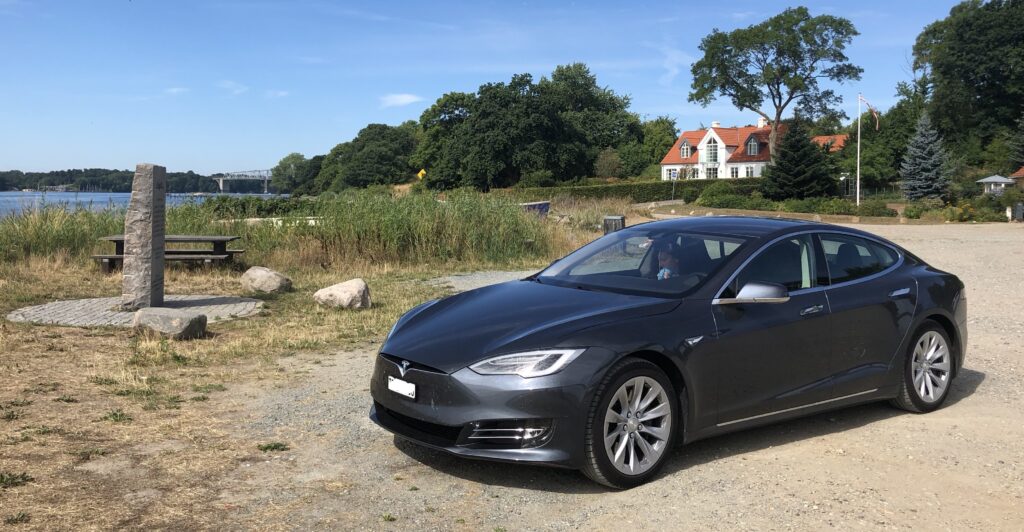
(718, 188)
(874, 208)
(836, 206)
(735, 201)
(639, 191)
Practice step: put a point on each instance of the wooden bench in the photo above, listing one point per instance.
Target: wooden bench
(219, 253)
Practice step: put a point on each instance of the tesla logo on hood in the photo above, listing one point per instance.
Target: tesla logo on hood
(403, 367)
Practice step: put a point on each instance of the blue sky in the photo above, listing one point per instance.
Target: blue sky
(228, 85)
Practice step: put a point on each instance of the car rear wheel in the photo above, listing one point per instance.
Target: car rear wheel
(631, 425)
(928, 370)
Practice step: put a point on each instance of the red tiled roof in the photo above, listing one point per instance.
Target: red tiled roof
(1017, 174)
(835, 142)
(673, 155)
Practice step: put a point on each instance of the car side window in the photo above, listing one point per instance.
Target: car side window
(850, 258)
(789, 262)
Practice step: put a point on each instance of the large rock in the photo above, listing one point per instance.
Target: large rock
(143, 279)
(260, 279)
(175, 324)
(350, 294)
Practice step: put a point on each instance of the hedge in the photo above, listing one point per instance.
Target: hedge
(639, 191)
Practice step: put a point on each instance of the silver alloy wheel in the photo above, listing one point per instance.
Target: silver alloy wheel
(931, 366)
(637, 425)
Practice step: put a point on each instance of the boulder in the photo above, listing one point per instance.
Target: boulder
(350, 294)
(260, 279)
(176, 324)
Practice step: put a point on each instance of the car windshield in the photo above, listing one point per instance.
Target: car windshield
(656, 262)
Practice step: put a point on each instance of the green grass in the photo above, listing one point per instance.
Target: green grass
(17, 519)
(353, 226)
(207, 388)
(117, 416)
(13, 480)
(272, 446)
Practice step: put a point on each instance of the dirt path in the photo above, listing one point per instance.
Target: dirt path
(867, 467)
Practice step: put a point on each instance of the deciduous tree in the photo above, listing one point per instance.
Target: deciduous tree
(768, 66)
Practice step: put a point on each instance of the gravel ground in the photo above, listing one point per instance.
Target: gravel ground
(867, 467)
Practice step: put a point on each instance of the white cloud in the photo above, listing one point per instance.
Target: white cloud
(174, 91)
(233, 87)
(275, 94)
(673, 60)
(399, 100)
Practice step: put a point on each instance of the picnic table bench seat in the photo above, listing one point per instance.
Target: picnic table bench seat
(219, 253)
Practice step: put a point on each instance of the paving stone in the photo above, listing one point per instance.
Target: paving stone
(99, 311)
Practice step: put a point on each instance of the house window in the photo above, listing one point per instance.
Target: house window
(673, 173)
(734, 171)
(712, 173)
(752, 147)
(750, 171)
(684, 150)
(712, 147)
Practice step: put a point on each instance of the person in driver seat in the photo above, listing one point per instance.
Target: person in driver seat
(669, 257)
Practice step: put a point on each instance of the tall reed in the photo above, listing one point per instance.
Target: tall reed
(351, 227)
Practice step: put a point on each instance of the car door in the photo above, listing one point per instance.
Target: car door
(772, 357)
(872, 302)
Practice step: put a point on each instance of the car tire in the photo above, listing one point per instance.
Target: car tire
(616, 422)
(928, 370)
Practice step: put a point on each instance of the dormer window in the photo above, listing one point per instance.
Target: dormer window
(752, 146)
(684, 150)
(712, 147)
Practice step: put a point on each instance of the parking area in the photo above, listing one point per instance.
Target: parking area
(866, 467)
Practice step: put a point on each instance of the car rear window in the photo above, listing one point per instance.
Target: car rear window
(850, 258)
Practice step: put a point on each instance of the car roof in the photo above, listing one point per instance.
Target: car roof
(745, 226)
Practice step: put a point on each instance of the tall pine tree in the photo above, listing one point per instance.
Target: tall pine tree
(801, 168)
(924, 165)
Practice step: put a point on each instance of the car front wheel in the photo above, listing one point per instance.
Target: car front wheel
(631, 424)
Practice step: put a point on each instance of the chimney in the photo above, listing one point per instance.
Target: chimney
(716, 123)
(762, 122)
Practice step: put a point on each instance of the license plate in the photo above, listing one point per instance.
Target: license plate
(405, 388)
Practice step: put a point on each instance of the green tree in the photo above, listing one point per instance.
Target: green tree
(505, 131)
(634, 158)
(305, 177)
(659, 135)
(608, 164)
(924, 169)
(973, 60)
(1015, 142)
(768, 66)
(284, 176)
(379, 155)
(801, 168)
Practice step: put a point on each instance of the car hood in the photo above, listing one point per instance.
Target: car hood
(460, 330)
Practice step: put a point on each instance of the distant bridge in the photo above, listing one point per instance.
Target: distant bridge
(245, 175)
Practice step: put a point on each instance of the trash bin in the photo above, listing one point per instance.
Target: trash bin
(614, 223)
(1018, 212)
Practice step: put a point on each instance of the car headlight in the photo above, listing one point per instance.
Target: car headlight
(527, 364)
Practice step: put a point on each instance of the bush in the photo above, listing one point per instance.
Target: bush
(639, 191)
(689, 194)
(735, 201)
(875, 208)
(539, 178)
(718, 188)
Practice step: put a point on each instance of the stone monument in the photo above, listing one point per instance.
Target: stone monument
(143, 284)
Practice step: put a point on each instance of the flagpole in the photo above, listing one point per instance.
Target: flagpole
(858, 148)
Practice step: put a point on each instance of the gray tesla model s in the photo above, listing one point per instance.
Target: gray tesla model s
(671, 331)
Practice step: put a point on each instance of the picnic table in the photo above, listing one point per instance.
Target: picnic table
(219, 253)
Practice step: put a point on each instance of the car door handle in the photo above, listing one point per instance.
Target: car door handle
(812, 310)
(900, 292)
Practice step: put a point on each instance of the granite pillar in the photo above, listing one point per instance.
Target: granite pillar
(143, 284)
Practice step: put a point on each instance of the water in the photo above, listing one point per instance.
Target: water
(14, 202)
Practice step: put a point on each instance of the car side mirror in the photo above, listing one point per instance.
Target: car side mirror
(757, 292)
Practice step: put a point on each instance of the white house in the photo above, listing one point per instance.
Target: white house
(727, 152)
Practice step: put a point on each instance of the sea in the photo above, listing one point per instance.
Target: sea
(15, 202)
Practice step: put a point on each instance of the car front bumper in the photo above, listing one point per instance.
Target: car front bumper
(450, 411)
